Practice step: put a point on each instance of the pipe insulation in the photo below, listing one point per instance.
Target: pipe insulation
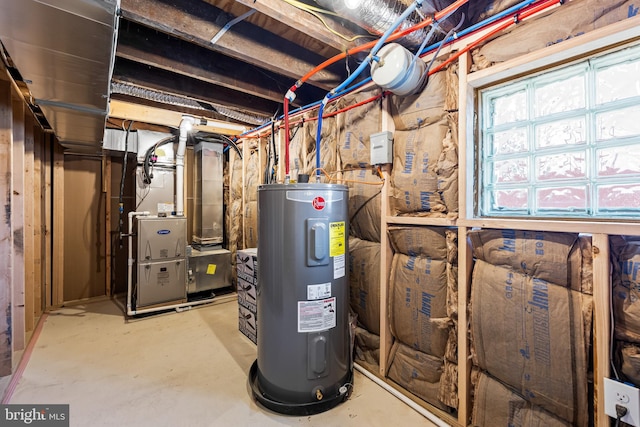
(376, 16)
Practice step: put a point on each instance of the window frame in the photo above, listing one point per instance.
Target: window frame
(570, 52)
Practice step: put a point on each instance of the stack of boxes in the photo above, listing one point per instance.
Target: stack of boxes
(247, 267)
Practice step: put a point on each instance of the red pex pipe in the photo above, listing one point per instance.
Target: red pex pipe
(517, 17)
(427, 21)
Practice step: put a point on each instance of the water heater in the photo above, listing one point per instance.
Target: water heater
(303, 365)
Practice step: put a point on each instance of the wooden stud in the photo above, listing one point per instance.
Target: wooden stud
(17, 225)
(106, 191)
(6, 230)
(386, 256)
(281, 169)
(554, 225)
(465, 266)
(245, 154)
(466, 144)
(601, 323)
(58, 225)
(47, 201)
(38, 222)
(29, 242)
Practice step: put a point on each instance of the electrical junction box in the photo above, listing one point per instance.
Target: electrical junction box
(381, 148)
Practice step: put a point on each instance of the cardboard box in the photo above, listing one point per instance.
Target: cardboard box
(248, 323)
(247, 272)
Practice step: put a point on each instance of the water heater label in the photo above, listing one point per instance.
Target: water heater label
(315, 316)
(339, 266)
(320, 291)
(337, 246)
(336, 238)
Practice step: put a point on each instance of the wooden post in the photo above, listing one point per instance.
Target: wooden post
(601, 324)
(29, 241)
(386, 256)
(106, 192)
(245, 153)
(281, 169)
(58, 226)
(17, 225)
(6, 230)
(38, 223)
(465, 265)
(47, 201)
(465, 257)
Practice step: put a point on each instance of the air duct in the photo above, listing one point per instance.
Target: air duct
(123, 88)
(376, 16)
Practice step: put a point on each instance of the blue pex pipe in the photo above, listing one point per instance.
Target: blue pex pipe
(463, 33)
(364, 64)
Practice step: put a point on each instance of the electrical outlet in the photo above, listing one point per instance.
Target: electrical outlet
(618, 393)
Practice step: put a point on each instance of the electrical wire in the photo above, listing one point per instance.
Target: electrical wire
(331, 179)
(146, 164)
(512, 15)
(232, 143)
(363, 205)
(315, 11)
(122, 180)
(516, 19)
(290, 95)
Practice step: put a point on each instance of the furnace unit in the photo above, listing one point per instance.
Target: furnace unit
(161, 261)
(209, 263)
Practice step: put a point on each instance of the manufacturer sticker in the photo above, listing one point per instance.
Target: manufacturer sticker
(323, 290)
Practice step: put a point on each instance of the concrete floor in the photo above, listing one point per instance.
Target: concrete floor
(176, 369)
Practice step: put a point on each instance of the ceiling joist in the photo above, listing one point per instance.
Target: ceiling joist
(197, 22)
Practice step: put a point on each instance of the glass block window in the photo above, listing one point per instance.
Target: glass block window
(564, 143)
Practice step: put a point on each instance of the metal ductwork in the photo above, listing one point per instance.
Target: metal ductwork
(64, 50)
(376, 16)
(118, 87)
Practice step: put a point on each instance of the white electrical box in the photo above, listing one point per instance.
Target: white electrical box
(624, 395)
(381, 147)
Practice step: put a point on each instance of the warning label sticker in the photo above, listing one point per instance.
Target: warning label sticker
(336, 238)
(315, 316)
(338, 266)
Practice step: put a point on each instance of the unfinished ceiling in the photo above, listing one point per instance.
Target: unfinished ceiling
(228, 60)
